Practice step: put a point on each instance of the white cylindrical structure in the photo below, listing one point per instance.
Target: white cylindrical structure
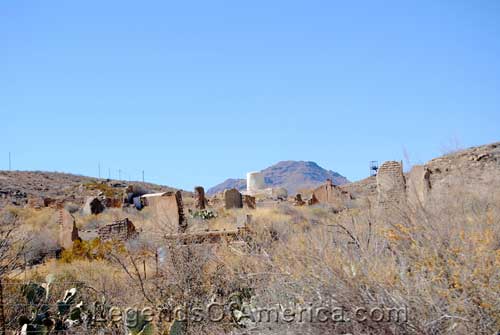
(255, 182)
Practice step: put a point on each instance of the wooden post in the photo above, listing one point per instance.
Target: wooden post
(25, 266)
(156, 260)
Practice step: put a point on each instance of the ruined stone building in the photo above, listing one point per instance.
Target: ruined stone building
(119, 230)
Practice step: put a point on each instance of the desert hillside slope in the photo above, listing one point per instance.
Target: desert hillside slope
(16, 187)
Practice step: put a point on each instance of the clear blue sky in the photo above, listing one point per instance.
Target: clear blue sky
(194, 92)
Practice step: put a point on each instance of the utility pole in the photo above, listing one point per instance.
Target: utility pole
(10, 165)
(143, 176)
(119, 174)
(99, 169)
(109, 173)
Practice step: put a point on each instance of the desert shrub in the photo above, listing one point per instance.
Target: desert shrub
(44, 244)
(106, 189)
(90, 250)
(34, 223)
(72, 207)
(440, 264)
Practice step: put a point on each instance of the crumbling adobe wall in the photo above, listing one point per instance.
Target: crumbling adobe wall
(233, 199)
(418, 185)
(331, 195)
(68, 233)
(168, 211)
(249, 202)
(391, 185)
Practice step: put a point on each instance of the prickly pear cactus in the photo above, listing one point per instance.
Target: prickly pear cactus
(204, 214)
(44, 320)
(178, 328)
(140, 326)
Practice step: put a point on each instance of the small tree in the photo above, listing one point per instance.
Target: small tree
(12, 247)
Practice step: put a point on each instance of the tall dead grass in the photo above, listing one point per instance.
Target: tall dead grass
(441, 263)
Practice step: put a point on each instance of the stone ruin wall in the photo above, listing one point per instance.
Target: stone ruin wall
(391, 185)
(199, 197)
(119, 230)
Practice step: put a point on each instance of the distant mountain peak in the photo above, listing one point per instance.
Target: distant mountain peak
(292, 175)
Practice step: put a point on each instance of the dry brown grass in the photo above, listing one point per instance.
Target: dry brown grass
(442, 263)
